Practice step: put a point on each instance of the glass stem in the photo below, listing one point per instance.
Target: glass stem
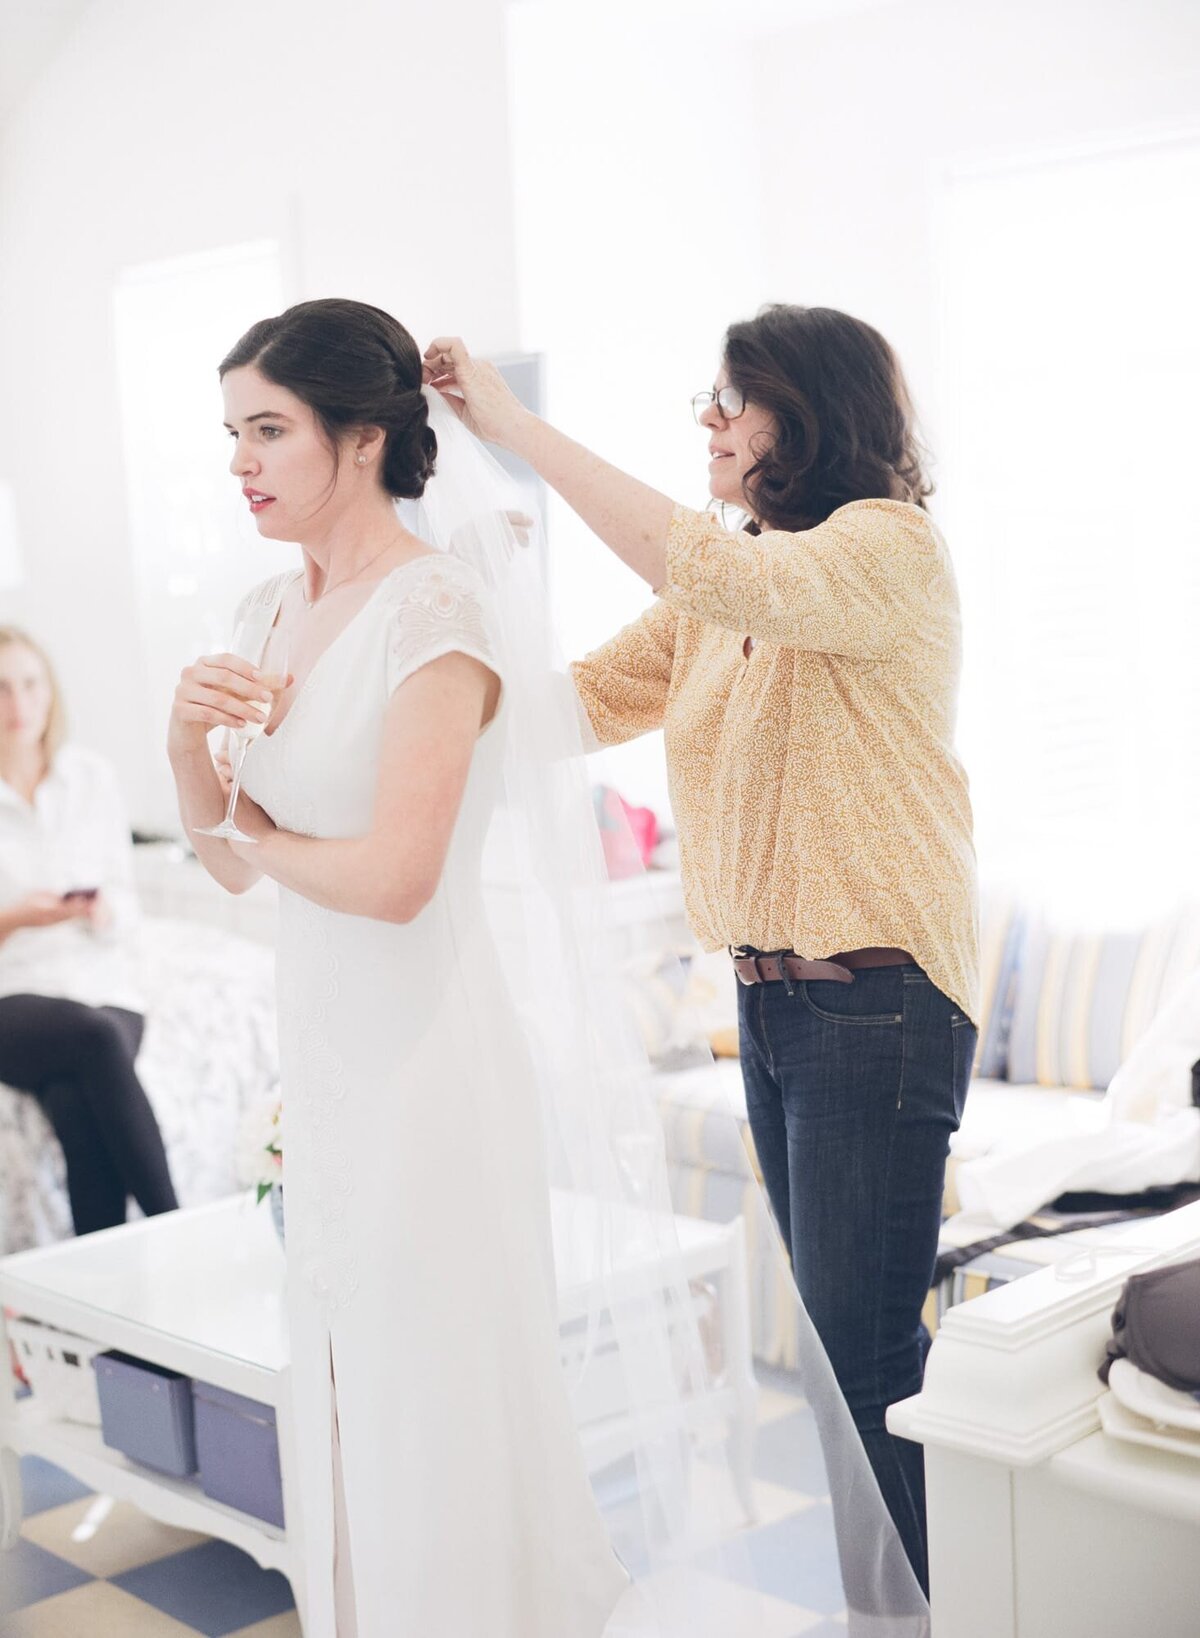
(235, 789)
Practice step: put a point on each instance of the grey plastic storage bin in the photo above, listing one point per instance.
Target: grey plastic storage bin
(237, 1447)
(146, 1412)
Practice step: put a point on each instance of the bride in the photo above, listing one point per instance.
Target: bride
(467, 1121)
(417, 1219)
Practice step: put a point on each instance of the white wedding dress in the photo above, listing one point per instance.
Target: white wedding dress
(420, 1265)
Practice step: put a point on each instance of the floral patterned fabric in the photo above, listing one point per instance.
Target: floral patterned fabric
(820, 803)
(209, 1054)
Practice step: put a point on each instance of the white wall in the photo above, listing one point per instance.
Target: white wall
(631, 263)
(862, 117)
(370, 137)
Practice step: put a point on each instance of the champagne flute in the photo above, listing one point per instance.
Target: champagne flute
(265, 646)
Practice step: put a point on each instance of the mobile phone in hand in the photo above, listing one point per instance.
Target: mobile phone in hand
(88, 893)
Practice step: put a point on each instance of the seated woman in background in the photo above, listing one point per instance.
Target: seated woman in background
(70, 1018)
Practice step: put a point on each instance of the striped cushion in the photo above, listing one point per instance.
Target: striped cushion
(1083, 1000)
(703, 1112)
(1001, 933)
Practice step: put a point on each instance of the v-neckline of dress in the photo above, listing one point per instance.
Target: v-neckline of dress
(270, 732)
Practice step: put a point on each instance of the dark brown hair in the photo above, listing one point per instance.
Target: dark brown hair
(845, 419)
(354, 366)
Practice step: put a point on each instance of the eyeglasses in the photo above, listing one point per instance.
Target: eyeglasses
(730, 401)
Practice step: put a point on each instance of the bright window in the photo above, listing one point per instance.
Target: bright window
(195, 549)
(1070, 436)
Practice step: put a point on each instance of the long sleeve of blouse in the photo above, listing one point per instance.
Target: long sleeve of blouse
(820, 802)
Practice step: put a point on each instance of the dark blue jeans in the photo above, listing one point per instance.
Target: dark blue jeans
(853, 1092)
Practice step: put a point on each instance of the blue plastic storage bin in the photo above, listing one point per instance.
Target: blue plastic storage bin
(146, 1412)
(237, 1448)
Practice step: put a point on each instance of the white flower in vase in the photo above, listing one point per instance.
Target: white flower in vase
(271, 1163)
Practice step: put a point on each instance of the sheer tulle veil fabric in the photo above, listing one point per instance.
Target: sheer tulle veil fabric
(651, 1392)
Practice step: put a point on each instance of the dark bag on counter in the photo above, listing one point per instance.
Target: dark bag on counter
(1156, 1325)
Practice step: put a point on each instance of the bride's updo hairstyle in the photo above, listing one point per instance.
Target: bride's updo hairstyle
(354, 366)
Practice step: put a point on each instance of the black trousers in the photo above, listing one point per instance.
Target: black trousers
(77, 1061)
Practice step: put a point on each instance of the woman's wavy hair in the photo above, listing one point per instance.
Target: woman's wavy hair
(354, 366)
(55, 731)
(844, 415)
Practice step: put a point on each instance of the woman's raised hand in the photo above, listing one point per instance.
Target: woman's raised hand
(217, 691)
(476, 390)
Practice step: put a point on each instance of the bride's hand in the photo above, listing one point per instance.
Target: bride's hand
(219, 690)
(475, 390)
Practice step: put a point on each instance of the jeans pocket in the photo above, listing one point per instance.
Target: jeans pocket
(875, 999)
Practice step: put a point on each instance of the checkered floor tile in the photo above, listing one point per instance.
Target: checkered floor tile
(86, 1565)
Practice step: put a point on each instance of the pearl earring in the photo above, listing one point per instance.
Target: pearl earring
(362, 460)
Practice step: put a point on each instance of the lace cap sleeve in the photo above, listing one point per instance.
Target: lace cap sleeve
(436, 607)
(264, 596)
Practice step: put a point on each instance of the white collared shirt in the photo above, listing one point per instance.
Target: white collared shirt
(73, 834)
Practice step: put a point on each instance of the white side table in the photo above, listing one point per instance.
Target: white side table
(198, 1291)
(202, 1292)
(1040, 1525)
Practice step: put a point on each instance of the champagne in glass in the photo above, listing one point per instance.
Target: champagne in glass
(265, 646)
(272, 664)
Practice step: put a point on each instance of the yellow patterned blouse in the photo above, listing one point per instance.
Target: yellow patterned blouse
(819, 801)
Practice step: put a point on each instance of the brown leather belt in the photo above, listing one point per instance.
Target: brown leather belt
(837, 969)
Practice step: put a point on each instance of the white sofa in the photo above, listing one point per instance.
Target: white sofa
(209, 1054)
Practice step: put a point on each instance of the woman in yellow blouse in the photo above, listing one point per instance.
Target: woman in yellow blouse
(805, 670)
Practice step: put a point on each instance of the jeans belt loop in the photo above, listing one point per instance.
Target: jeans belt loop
(788, 981)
